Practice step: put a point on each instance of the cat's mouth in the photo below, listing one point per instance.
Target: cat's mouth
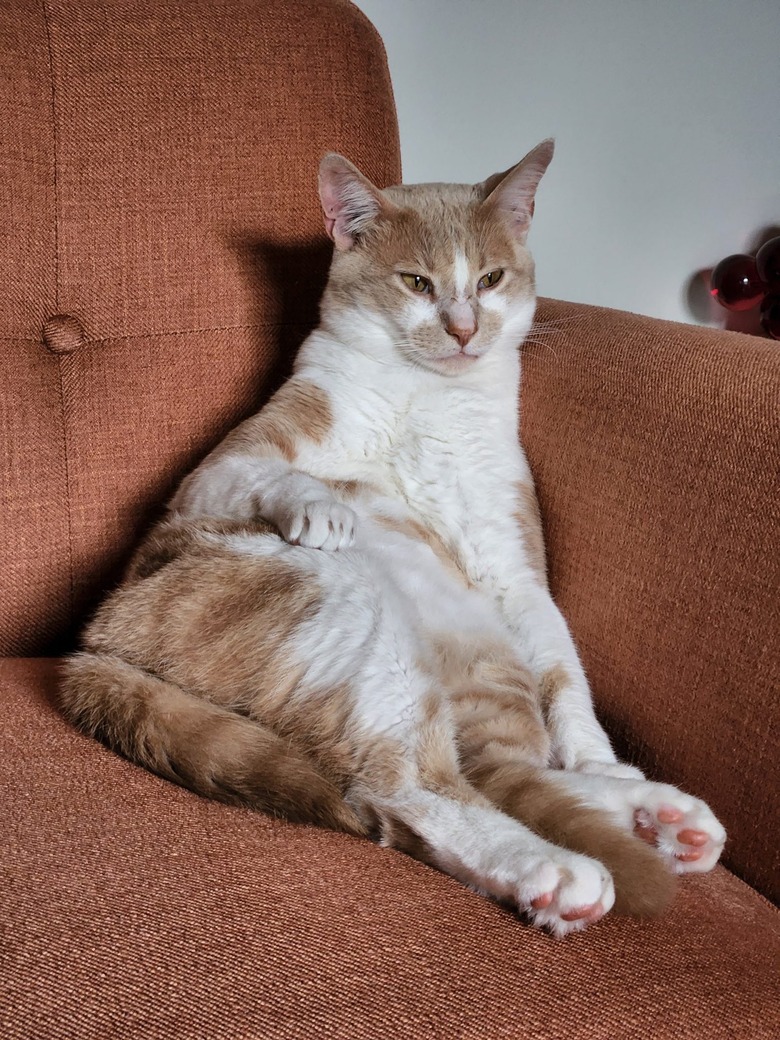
(456, 362)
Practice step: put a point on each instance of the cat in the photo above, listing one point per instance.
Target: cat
(344, 617)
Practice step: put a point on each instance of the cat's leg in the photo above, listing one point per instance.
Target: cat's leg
(302, 508)
(411, 790)
(406, 781)
(503, 750)
(502, 740)
(542, 640)
(306, 512)
(683, 828)
(506, 563)
(259, 472)
(560, 891)
(361, 694)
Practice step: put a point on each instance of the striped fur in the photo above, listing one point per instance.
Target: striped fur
(344, 617)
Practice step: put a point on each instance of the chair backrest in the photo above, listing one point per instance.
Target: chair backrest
(161, 254)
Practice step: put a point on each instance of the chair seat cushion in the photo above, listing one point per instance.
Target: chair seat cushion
(133, 908)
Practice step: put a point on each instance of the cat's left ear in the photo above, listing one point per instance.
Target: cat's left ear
(350, 202)
(512, 192)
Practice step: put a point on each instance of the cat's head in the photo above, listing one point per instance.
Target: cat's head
(442, 268)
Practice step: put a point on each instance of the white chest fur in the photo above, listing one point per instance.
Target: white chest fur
(447, 448)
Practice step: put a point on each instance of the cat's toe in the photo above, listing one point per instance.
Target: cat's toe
(684, 829)
(324, 524)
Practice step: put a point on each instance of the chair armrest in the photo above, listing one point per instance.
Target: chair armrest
(656, 452)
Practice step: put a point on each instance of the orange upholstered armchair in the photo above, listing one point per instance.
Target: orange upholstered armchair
(161, 256)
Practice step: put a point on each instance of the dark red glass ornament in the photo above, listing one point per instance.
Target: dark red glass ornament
(770, 314)
(735, 283)
(768, 262)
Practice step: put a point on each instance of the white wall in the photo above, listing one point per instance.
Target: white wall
(666, 115)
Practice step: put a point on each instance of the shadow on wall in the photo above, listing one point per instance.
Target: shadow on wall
(704, 308)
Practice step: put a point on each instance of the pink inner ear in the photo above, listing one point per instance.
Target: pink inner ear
(330, 205)
(329, 196)
(514, 191)
(350, 202)
(339, 209)
(516, 200)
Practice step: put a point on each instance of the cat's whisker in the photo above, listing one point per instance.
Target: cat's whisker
(548, 328)
(562, 320)
(547, 353)
(550, 348)
(554, 324)
(547, 347)
(541, 331)
(412, 353)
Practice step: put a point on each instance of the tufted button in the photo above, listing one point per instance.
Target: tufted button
(63, 334)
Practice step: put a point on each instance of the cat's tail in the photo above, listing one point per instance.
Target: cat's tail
(197, 744)
(644, 887)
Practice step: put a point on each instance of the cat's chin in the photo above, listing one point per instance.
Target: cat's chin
(453, 364)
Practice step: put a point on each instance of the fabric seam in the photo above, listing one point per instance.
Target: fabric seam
(54, 163)
(55, 146)
(23, 338)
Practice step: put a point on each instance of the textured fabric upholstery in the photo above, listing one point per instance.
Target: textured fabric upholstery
(134, 909)
(158, 174)
(161, 254)
(655, 448)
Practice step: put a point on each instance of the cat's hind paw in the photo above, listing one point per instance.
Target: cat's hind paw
(566, 897)
(683, 828)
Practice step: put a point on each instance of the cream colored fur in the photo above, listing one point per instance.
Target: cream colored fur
(413, 651)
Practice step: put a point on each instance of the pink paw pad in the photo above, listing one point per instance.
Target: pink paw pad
(678, 830)
(543, 901)
(691, 837)
(688, 857)
(585, 913)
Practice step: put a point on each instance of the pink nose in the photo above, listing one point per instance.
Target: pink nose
(462, 333)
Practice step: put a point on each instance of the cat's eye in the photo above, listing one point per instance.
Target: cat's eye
(417, 283)
(487, 281)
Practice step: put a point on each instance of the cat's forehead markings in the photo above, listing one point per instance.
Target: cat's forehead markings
(461, 273)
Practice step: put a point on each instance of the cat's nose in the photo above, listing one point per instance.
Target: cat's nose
(462, 333)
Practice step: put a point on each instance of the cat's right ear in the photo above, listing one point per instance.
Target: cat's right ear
(350, 202)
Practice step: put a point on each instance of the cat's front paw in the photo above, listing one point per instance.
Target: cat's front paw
(683, 828)
(320, 523)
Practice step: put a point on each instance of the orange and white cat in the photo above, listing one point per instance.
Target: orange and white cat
(344, 617)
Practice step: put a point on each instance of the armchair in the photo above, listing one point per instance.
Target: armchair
(162, 256)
